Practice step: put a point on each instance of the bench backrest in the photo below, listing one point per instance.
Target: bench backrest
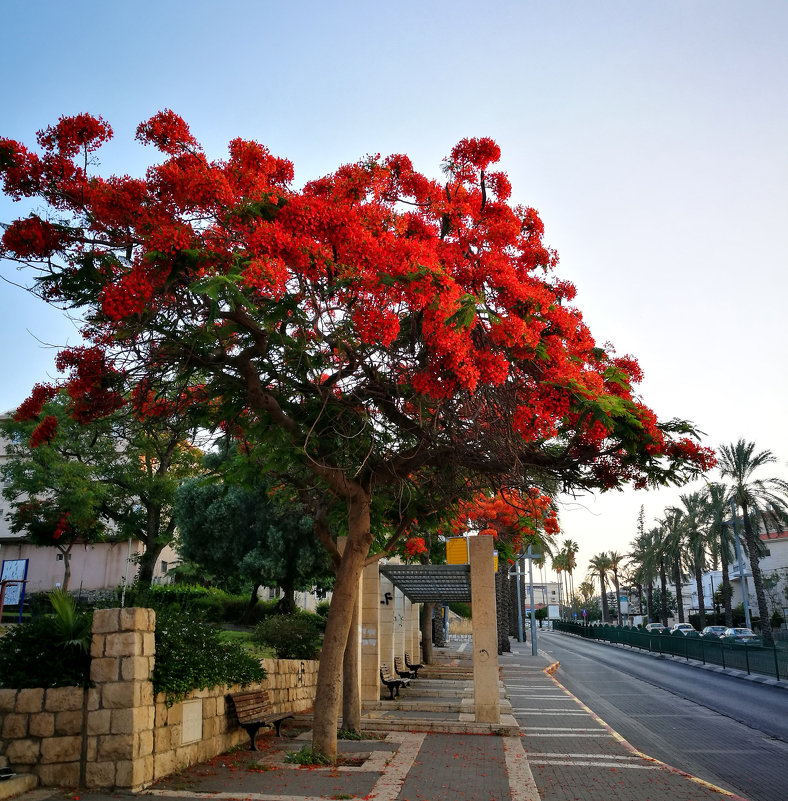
(398, 664)
(250, 705)
(385, 673)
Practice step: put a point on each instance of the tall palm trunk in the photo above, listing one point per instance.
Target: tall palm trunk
(663, 584)
(603, 591)
(677, 584)
(757, 578)
(701, 599)
(727, 590)
(650, 602)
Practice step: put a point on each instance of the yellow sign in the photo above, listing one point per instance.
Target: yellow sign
(457, 552)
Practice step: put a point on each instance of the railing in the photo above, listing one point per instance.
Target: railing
(767, 660)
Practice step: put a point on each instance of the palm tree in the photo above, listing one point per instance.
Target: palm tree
(755, 497)
(599, 566)
(721, 541)
(695, 523)
(615, 561)
(659, 538)
(570, 549)
(672, 526)
(558, 565)
(645, 560)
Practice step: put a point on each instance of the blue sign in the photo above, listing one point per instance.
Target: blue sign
(584, 613)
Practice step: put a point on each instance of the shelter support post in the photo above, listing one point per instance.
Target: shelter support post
(485, 632)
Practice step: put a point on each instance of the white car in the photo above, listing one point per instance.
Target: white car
(684, 628)
(713, 631)
(655, 628)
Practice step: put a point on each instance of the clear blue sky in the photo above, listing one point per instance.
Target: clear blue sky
(650, 136)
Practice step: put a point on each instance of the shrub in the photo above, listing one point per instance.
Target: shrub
(776, 619)
(461, 609)
(190, 656)
(32, 656)
(295, 636)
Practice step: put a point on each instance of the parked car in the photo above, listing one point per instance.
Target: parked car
(684, 628)
(741, 636)
(713, 631)
(655, 628)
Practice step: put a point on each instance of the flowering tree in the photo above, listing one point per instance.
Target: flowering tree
(113, 478)
(372, 326)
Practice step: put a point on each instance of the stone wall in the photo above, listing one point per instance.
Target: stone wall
(116, 734)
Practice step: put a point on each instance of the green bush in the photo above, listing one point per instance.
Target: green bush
(461, 609)
(32, 656)
(295, 636)
(776, 619)
(191, 656)
(322, 608)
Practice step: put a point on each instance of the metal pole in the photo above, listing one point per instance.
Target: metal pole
(519, 600)
(531, 590)
(737, 545)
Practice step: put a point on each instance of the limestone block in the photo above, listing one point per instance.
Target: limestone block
(114, 747)
(161, 713)
(92, 749)
(135, 667)
(106, 620)
(97, 643)
(148, 644)
(146, 691)
(122, 721)
(99, 722)
(42, 724)
(63, 775)
(209, 708)
(94, 698)
(120, 695)
(61, 749)
(63, 699)
(136, 619)
(143, 745)
(123, 643)
(7, 700)
(161, 740)
(30, 700)
(23, 752)
(144, 718)
(164, 764)
(14, 726)
(175, 715)
(104, 670)
(100, 774)
(68, 722)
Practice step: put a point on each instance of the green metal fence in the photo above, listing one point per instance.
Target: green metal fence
(767, 660)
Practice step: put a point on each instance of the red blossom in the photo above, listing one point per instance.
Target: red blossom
(168, 132)
(45, 432)
(31, 407)
(34, 238)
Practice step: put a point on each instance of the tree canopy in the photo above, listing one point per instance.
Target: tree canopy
(367, 328)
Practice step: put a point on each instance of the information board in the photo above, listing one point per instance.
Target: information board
(13, 570)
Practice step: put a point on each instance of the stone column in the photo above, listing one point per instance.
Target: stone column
(370, 633)
(415, 630)
(485, 633)
(407, 626)
(399, 632)
(119, 728)
(386, 604)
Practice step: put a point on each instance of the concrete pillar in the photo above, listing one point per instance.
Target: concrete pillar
(415, 632)
(370, 633)
(386, 622)
(399, 632)
(407, 627)
(485, 632)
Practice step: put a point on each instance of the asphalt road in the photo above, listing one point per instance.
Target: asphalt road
(725, 730)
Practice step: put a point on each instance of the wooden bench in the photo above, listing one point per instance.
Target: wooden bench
(254, 709)
(401, 670)
(411, 666)
(391, 681)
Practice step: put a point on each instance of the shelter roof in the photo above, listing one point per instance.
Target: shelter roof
(428, 583)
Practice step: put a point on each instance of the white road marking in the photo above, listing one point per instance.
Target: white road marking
(521, 781)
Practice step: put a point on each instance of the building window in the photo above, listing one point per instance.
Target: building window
(59, 557)
(164, 567)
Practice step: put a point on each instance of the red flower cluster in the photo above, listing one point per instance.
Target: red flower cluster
(45, 432)
(90, 384)
(33, 238)
(415, 546)
(31, 407)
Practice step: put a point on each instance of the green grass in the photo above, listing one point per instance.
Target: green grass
(244, 639)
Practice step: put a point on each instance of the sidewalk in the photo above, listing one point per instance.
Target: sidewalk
(560, 751)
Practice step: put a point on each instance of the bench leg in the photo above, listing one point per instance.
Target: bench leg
(251, 730)
(278, 724)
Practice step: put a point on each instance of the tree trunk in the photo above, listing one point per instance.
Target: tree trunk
(425, 623)
(727, 591)
(66, 568)
(677, 583)
(701, 599)
(351, 695)
(603, 599)
(147, 563)
(246, 617)
(328, 693)
(757, 578)
(287, 604)
(663, 585)
(650, 603)
(619, 616)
